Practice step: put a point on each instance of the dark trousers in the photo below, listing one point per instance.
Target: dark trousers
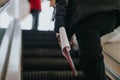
(35, 21)
(88, 33)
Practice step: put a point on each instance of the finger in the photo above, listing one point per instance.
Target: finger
(57, 35)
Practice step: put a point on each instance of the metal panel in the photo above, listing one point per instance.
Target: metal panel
(4, 49)
(14, 65)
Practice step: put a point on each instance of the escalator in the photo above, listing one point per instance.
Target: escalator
(41, 55)
(42, 58)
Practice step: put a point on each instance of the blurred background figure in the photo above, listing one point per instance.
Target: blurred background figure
(52, 4)
(35, 9)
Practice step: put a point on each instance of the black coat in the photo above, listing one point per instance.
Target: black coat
(69, 12)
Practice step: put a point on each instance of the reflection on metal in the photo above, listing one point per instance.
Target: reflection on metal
(5, 4)
(16, 6)
(14, 64)
(4, 49)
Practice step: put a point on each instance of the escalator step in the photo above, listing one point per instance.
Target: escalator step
(41, 64)
(52, 75)
(38, 53)
(39, 39)
(37, 33)
(45, 53)
(42, 44)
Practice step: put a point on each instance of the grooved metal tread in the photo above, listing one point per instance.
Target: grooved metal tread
(52, 75)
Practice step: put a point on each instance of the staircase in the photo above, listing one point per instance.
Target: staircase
(42, 58)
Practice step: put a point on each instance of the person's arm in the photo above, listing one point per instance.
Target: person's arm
(60, 14)
(60, 9)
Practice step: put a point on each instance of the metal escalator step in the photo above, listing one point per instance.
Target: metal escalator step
(40, 44)
(52, 75)
(41, 64)
(41, 33)
(38, 53)
(39, 39)
(45, 53)
(39, 36)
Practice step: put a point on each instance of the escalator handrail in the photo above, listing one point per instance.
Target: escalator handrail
(4, 49)
(14, 64)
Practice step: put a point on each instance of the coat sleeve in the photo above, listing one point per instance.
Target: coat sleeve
(60, 15)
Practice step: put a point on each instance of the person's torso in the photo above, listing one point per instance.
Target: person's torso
(79, 9)
(35, 4)
(82, 8)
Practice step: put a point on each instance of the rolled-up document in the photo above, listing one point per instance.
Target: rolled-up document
(65, 47)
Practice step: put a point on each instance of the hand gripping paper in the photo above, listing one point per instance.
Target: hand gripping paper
(65, 46)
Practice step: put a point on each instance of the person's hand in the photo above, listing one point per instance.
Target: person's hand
(74, 43)
(58, 38)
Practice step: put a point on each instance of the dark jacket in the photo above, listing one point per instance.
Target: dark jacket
(69, 12)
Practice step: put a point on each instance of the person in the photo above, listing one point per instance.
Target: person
(35, 9)
(53, 4)
(89, 20)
